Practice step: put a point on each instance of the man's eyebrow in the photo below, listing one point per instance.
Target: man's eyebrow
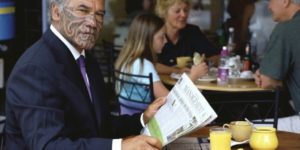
(83, 6)
(86, 7)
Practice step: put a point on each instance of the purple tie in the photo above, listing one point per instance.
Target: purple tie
(81, 63)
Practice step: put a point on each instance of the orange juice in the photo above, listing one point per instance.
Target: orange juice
(220, 139)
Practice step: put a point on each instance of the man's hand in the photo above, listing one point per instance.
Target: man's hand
(141, 142)
(153, 108)
(264, 81)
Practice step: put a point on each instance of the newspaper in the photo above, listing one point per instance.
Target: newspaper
(186, 110)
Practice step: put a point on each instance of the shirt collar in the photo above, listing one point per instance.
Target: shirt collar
(72, 49)
(297, 14)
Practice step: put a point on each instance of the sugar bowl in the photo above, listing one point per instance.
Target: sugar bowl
(264, 138)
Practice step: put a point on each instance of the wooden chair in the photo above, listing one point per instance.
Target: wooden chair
(134, 96)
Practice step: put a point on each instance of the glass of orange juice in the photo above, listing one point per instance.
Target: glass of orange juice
(220, 138)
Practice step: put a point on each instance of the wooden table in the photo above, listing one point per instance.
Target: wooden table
(241, 86)
(237, 101)
(286, 140)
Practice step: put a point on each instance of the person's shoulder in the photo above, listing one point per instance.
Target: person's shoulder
(34, 50)
(37, 54)
(144, 65)
(287, 27)
(149, 67)
(148, 63)
(191, 28)
(145, 62)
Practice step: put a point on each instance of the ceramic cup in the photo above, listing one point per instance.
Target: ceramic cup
(183, 61)
(241, 130)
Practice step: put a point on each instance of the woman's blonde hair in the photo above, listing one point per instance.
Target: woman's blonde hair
(162, 6)
(139, 43)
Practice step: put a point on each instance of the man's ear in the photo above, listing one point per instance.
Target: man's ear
(55, 12)
(286, 3)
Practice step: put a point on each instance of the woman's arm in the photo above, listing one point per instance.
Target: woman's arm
(164, 69)
(159, 89)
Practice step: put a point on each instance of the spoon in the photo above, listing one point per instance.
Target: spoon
(252, 124)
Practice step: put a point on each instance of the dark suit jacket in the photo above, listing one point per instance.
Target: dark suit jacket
(48, 105)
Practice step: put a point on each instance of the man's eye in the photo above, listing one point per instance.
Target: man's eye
(99, 14)
(83, 11)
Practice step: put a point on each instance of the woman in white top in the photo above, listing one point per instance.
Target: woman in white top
(146, 38)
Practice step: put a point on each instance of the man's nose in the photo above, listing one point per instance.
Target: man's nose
(91, 19)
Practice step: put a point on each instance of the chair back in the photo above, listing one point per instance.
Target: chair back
(135, 92)
(2, 132)
(259, 107)
(106, 58)
(111, 53)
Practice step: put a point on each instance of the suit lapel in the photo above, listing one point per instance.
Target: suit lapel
(64, 57)
(96, 92)
(70, 68)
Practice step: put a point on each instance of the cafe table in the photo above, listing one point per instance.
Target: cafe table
(286, 140)
(240, 86)
(237, 100)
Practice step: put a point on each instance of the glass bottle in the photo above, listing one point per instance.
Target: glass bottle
(223, 69)
(246, 60)
(230, 43)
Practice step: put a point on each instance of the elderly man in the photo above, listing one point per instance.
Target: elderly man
(281, 64)
(55, 93)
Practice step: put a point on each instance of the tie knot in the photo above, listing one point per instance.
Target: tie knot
(81, 61)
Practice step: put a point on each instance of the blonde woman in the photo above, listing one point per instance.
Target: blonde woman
(182, 39)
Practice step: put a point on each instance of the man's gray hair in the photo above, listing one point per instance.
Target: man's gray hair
(59, 3)
(296, 1)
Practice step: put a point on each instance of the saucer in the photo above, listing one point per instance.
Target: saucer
(234, 143)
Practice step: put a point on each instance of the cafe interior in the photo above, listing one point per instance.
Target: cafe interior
(237, 36)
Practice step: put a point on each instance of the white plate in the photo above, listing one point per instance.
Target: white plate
(175, 75)
(202, 79)
(207, 78)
